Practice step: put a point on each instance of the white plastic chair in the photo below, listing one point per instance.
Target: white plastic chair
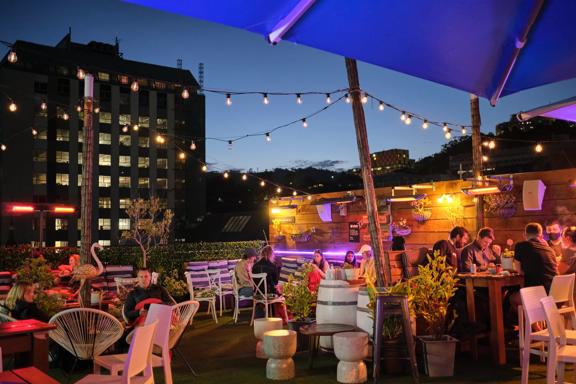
(559, 352)
(85, 332)
(4, 318)
(237, 296)
(220, 288)
(261, 294)
(205, 292)
(139, 359)
(562, 290)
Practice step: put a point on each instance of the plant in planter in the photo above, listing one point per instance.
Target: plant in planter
(36, 271)
(299, 302)
(432, 290)
(508, 256)
(501, 204)
(421, 211)
(176, 287)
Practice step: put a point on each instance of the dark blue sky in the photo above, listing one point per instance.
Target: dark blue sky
(237, 60)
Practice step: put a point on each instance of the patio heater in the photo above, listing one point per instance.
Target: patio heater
(42, 210)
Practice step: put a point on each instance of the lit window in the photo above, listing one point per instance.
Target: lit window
(39, 179)
(104, 224)
(105, 243)
(125, 140)
(62, 135)
(104, 181)
(59, 243)
(143, 182)
(123, 79)
(162, 183)
(104, 160)
(80, 136)
(162, 163)
(124, 119)
(60, 224)
(42, 134)
(124, 182)
(62, 157)
(104, 202)
(144, 121)
(62, 179)
(143, 142)
(105, 117)
(159, 85)
(124, 203)
(39, 156)
(162, 123)
(124, 224)
(102, 76)
(79, 158)
(60, 112)
(105, 138)
(124, 161)
(143, 162)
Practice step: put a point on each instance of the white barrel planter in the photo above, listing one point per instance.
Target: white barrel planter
(336, 304)
(364, 317)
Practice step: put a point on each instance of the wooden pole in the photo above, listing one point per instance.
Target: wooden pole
(87, 177)
(385, 278)
(477, 155)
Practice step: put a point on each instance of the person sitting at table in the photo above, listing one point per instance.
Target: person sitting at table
(20, 302)
(567, 264)
(367, 266)
(267, 265)
(537, 259)
(66, 269)
(349, 260)
(319, 269)
(144, 294)
(451, 247)
(480, 252)
(554, 234)
(243, 272)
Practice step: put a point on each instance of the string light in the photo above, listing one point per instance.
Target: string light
(328, 99)
(265, 99)
(12, 57)
(3, 147)
(484, 158)
(97, 110)
(159, 139)
(268, 137)
(125, 129)
(445, 127)
(381, 106)
(492, 144)
(78, 108)
(538, 148)
(192, 146)
(204, 168)
(65, 116)
(185, 94)
(294, 193)
(448, 135)
(262, 183)
(134, 87)
(80, 74)
(43, 106)
(244, 177)
(230, 144)
(34, 132)
(228, 100)
(403, 116)
(408, 119)
(485, 143)
(425, 124)
(347, 98)
(304, 123)
(463, 130)
(135, 127)
(278, 190)
(309, 197)
(12, 107)
(226, 174)
(298, 99)
(182, 156)
(364, 98)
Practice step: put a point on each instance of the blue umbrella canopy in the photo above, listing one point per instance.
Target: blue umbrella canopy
(563, 110)
(491, 48)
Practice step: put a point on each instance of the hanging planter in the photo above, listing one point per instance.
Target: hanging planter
(501, 204)
(505, 212)
(421, 211)
(401, 228)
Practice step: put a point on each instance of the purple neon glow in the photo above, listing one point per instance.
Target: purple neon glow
(327, 253)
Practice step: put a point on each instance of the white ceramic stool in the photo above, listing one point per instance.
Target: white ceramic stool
(280, 346)
(262, 326)
(351, 348)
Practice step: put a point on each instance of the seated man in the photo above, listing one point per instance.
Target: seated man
(480, 252)
(451, 248)
(144, 294)
(537, 259)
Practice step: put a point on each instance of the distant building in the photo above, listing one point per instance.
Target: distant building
(128, 163)
(389, 161)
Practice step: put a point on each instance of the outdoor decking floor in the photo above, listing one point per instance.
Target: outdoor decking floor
(224, 353)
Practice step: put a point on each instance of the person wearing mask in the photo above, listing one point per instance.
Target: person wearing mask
(480, 252)
(567, 264)
(451, 247)
(144, 294)
(554, 234)
(20, 302)
(349, 260)
(243, 272)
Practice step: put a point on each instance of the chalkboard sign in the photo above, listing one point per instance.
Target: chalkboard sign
(354, 232)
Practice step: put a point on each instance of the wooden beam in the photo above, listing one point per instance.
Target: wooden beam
(477, 155)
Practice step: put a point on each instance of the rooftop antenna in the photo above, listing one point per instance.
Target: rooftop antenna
(201, 77)
(179, 63)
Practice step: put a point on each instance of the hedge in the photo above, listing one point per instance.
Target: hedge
(161, 259)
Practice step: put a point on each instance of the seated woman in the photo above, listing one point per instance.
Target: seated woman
(320, 267)
(20, 302)
(267, 265)
(349, 260)
(367, 267)
(66, 269)
(567, 264)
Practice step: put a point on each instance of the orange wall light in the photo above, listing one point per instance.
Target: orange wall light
(21, 208)
(63, 210)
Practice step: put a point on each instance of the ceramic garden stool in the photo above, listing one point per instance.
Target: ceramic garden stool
(262, 326)
(351, 348)
(280, 346)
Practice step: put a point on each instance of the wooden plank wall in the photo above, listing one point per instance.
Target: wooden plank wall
(559, 202)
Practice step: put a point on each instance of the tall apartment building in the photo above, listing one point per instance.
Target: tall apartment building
(45, 167)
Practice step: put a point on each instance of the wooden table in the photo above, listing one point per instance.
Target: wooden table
(494, 283)
(28, 375)
(314, 331)
(29, 336)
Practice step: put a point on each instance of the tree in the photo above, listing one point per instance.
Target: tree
(150, 225)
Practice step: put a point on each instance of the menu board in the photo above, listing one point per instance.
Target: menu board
(354, 232)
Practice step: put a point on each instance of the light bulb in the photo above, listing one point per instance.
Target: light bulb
(193, 146)
(304, 123)
(278, 190)
(328, 99)
(294, 193)
(485, 143)
(80, 74)
(230, 144)
(228, 99)
(268, 137)
(408, 119)
(204, 168)
(244, 177)
(43, 106)
(309, 197)
(538, 148)
(364, 98)
(159, 139)
(134, 86)
(12, 57)
(125, 129)
(491, 144)
(97, 110)
(265, 99)
(226, 174)
(463, 130)
(135, 127)
(298, 99)
(381, 106)
(448, 135)
(445, 127)
(65, 116)
(403, 116)
(3, 147)
(185, 93)
(12, 107)
(78, 108)
(484, 158)
(347, 98)
(262, 183)
(425, 124)
(34, 132)
(182, 155)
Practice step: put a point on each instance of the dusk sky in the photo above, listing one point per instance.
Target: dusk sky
(236, 60)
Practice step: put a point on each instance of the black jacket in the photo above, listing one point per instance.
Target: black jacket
(271, 270)
(24, 310)
(446, 248)
(138, 294)
(538, 263)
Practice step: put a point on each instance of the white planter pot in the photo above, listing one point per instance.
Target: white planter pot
(438, 355)
(508, 263)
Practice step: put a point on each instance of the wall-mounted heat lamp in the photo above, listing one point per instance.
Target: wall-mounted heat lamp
(476, 191)
(283, 210)
(403, 199)
(423, 186)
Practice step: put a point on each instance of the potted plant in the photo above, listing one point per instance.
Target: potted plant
(431, 291)
(176, 287)
(501, 204)
(508, 256)
(421, 211)
(299, 302)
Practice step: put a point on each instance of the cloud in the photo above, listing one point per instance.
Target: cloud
(323, 164)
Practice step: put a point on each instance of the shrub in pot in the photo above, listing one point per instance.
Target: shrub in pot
(176, 287)
(431, 291)
(299, 302)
